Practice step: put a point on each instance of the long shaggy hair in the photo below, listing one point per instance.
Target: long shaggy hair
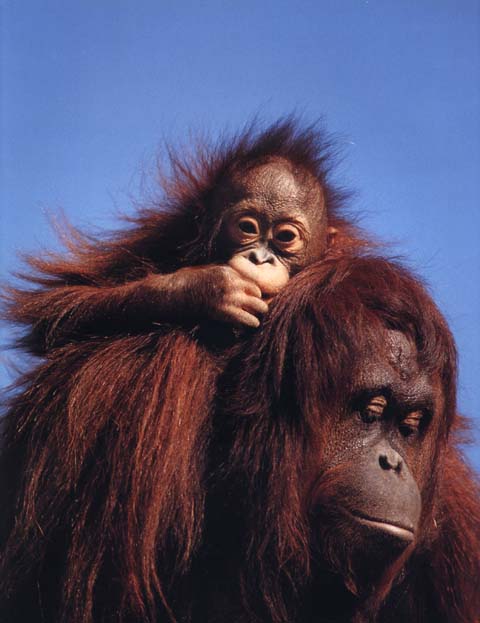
(179, 229)
(277, 402)
(104, 439)
(111, 458)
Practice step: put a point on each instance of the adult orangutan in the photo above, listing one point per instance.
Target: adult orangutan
(334, 489)
(340, 494)
(105, 438)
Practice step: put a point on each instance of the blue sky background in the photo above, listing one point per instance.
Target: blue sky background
(90, 90)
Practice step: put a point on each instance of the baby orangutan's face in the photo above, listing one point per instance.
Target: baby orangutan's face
(275, 225)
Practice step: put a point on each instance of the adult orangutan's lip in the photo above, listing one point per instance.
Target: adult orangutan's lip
(406, 533)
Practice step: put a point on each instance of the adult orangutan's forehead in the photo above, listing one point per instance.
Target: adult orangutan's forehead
(390, 360)
(391, 363)
(401, 354)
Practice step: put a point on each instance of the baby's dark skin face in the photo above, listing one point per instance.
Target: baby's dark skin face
(272, 223)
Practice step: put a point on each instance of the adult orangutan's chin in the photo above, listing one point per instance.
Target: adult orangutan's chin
(335, 451)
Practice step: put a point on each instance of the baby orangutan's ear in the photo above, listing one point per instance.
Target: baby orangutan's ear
(331, 236)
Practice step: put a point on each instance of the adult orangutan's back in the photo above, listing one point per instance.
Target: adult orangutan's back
(103, 456)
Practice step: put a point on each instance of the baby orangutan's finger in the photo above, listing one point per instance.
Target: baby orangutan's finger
(239, 317)
(254, 305)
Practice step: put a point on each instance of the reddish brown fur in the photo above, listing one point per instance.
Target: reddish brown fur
(105, 449)
(104, 438)
(116, 502)
(107, 437)
(280, 408)
(78, 295)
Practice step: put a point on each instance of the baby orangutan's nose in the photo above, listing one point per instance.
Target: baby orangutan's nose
(261, 256)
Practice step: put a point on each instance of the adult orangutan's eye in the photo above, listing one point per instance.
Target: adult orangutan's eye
(374, 410)
(411, 423)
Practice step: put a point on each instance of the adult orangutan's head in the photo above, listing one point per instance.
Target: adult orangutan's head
(339, 456)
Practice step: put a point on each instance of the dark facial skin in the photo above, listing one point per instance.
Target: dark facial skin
(273, 224)
(382, 447)
(277, 218)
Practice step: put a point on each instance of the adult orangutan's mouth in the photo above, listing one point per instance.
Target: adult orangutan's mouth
(407, 533)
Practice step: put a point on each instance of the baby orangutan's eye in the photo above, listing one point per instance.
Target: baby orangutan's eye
(287, 237)
(248, 225)
(243, 230)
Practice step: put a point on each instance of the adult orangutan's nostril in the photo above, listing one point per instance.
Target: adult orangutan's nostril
(390, 460)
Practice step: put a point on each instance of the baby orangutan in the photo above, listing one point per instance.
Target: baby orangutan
(235, 223)
(272, 223)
